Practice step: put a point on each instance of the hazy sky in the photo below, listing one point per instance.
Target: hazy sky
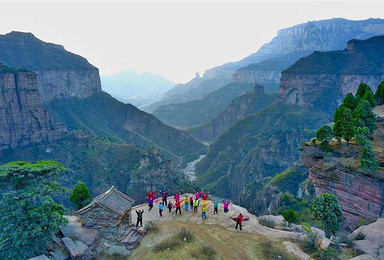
(174, 39)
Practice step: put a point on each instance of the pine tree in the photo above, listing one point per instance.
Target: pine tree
(338, 122)
(347, 127)
(79, 194)
(368, 96)
(350, 102)
(361, 135)
(379, 95)
(324, 135)
(363, 88)
(363, 116)
(326, 208)
(368, 161)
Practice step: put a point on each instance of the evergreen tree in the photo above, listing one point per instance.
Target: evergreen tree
(361, 135)
(326, 209)
(368, 161)
(370, 98)
(347, 127)
(363, 116)
(379, 95)
(363, 88)
(338, 122)
(350, 102)
(28, 214)
(79, 194)
(324, 135)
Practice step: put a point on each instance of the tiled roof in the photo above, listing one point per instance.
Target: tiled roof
(112, 199)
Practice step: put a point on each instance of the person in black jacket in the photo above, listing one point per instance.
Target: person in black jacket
(139, 218)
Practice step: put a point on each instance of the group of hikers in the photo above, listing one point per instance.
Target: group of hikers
(193, 201)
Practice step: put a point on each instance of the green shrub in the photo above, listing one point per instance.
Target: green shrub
(167, 244)
(328, 254)
(290, 216)
(185, 235)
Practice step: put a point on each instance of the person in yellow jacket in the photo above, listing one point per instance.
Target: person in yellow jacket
(204, 207)
(195, 205)
(186, 203)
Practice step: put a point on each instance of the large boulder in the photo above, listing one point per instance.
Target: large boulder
(322, 241)
(373, 242)
(74, 230)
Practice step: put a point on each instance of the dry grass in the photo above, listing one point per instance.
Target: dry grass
(227, 244)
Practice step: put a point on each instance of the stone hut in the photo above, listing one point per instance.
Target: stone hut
(108, 212)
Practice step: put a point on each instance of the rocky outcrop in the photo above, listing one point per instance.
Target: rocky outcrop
(372, 243)
(360, 194)
(323, 79)
(61, 74)
(23, 118)
(299, 40)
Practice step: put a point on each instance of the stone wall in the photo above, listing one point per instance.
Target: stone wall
(105, 221)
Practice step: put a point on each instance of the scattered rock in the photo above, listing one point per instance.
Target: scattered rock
(74, 230)
(294, 249)
(58, 255)
(322, 241)
(373, 242)
(364, 257)
(75, 248)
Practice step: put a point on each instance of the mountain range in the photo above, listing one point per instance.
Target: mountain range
(138, 89)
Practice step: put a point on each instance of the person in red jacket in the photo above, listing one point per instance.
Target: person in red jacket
(151, 194)
(239, 221)
(205, 197)
(178, 206)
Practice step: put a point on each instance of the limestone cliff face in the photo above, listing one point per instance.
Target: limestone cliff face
(301, 40)
(67, 83)
(257, 76)
(324, 91)
(23, 119)
(61, 74)
(323, 79)
(360, 194)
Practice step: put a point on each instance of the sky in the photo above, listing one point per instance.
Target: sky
(174, 39)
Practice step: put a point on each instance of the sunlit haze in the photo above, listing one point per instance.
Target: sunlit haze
(173, 39)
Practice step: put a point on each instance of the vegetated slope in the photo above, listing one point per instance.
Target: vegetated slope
(323, 35)
(101, 163)
(258, 146)
(197, 112)
(195, 89)
(60, 74)
(323, 79)
(138, 89)
(103, 115)
(359, 192)
(240, 107)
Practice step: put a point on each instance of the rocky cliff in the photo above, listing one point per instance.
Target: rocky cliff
(360, 194)
(61, 74)
(323, 35)
(23, 118)
(323, 79)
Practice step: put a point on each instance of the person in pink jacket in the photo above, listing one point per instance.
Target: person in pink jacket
(226, 205)
(177, 197)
